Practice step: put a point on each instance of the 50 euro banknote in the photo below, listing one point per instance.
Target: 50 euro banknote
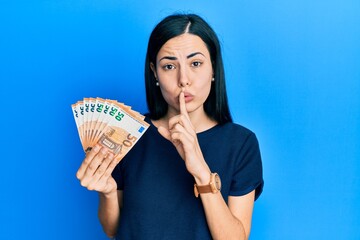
(112, 124)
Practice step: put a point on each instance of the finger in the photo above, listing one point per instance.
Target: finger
(179, 130)
(183, 105)
(107, 174)
(92, 185)
(183, 121)
(89, 157)
(182, 138)
(164, 132)
(107, 184)
(93, 166)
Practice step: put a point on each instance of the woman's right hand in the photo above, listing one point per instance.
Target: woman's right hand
(95, 171)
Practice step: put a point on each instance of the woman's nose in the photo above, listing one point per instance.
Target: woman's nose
(183, 79)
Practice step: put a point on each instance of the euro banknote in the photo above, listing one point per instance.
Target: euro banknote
(110, 123)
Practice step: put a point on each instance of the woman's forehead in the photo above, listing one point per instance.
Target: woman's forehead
(184, 44)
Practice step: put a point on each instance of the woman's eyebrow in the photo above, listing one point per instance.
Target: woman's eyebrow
(168, 57)
(175, 58)
(194, 54)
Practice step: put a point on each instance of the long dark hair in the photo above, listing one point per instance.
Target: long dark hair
(216, 105)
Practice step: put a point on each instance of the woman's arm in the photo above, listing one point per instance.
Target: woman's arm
(95, 174)
(109, 211)
(232, 221)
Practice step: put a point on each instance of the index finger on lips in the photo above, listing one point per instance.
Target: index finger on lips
(183, 105)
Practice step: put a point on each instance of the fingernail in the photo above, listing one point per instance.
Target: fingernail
(96, 148)
(104, 150)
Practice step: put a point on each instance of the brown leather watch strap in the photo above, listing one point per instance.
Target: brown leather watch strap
(213, 187)
(204, 189)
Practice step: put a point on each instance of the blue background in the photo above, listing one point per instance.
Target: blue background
(293, 77)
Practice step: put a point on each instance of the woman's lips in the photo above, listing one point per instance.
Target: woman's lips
(188, 97)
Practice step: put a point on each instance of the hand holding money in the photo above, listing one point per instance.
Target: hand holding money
(95, 171)
(109, 123)
(107, 130)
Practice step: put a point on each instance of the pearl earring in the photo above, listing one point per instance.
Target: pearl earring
(157, 83)
(213, 79)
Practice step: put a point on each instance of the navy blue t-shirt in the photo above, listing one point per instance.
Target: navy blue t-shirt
(158, 191)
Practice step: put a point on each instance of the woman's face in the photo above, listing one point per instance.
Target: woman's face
(183, 64)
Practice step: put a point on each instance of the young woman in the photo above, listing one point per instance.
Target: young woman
(194, 174)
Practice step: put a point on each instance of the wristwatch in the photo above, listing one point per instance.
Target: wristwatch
(213, 187)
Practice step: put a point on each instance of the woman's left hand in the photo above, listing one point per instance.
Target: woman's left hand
(182, 134)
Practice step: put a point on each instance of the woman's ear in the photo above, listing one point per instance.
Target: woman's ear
(152, 66)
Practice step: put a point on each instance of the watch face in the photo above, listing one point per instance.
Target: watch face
(217, 182)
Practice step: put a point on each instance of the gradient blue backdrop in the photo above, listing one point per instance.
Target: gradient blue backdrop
(293, 77)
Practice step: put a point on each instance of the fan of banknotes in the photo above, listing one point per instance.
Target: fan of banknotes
(109, 123)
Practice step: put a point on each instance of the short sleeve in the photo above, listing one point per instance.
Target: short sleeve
(118, 176)
(248, 173)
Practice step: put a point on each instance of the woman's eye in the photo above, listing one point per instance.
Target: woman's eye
(196, 64)
(168, 67)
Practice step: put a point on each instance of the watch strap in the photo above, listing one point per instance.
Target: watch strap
(204, 188)
(209, 188)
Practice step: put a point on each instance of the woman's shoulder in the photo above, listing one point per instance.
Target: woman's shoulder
(236, 127)
(231, 129)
